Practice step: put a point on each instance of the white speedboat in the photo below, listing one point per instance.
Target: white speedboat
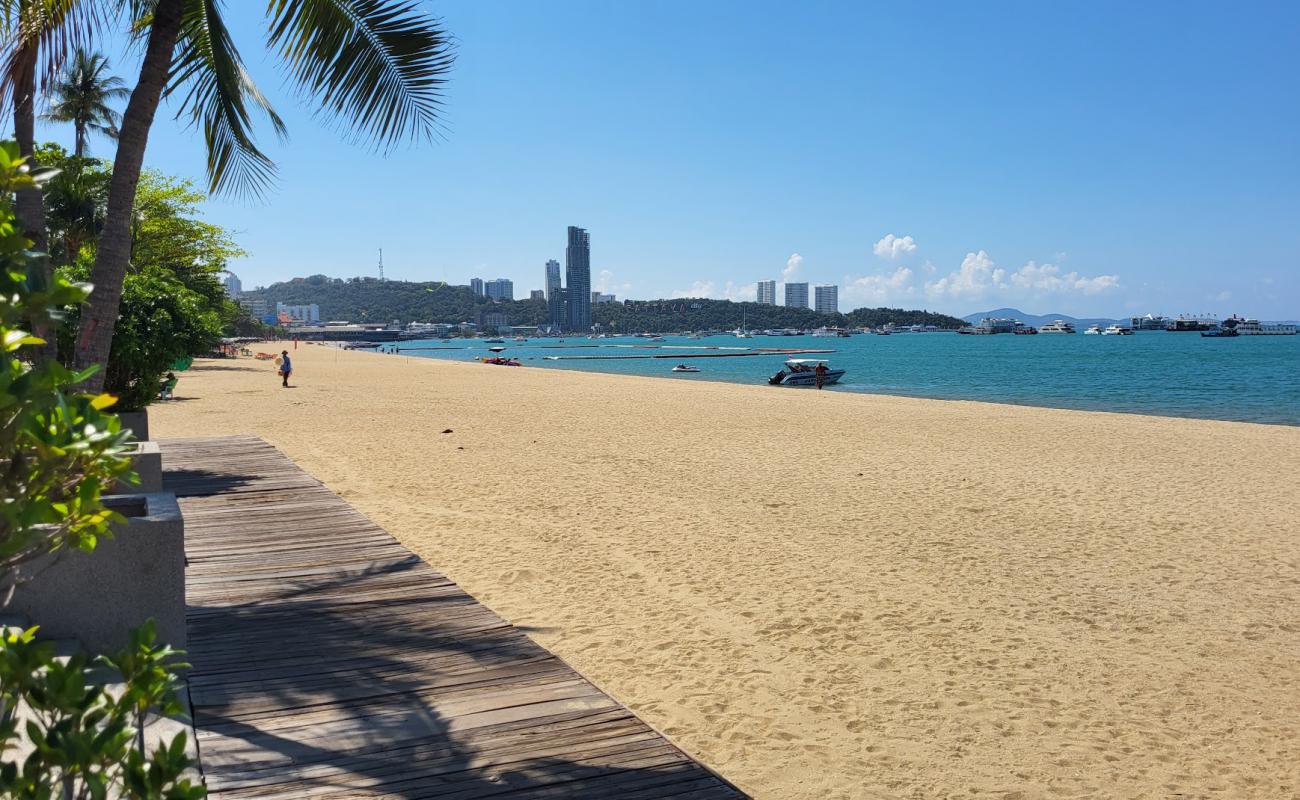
(685, 368)
(803, 372)
(1117, 330)
(1057, 326)
(1092, 329)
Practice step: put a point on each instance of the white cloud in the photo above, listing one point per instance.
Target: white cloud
(697, 289)
(881, 288)
(978, 276)
(603, 279)
(1223, 296)
(893, 247)
(791, 267)
(1048, 279)
(744, 293)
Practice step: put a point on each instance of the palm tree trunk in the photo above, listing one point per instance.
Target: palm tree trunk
(80, 148)
(95, 338)
(29, 204)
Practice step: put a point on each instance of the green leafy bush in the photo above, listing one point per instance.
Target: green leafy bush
(81, 740)
(58, 449)
(160, 322)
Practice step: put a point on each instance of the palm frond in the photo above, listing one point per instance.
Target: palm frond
(40, 36)
(218, 96)
(376, 66)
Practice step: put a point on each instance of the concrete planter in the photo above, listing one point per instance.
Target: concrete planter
(137, 422)
(146, 462)
(136, 574)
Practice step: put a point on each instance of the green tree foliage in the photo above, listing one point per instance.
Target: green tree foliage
(372, 300)
(75, 200)
(58, 449)
(163, 320)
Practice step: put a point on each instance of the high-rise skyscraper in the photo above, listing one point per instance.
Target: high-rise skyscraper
(537, 294)
(767, 293)
(796, 295)
(233, 286)
(500, 289)
(826, 299)
(476, 285)
(577, 279)
(554, 295)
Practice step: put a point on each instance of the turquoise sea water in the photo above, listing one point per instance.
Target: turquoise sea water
(1247, 378)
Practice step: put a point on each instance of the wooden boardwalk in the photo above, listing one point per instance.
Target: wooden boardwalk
(331, 662)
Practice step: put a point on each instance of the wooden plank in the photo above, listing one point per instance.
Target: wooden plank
(329, 661)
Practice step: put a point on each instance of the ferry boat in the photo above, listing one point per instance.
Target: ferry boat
(1057, 326)
(1022, 329)
(1253, 327)
(1185, 324)
(803, 372)
(1092, 329)
(1117, 330)
(685, 368)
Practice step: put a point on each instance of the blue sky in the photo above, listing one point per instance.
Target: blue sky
(1086, 158)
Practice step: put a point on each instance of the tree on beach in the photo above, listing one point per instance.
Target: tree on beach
(377, 66)
(81, 96)
(38, 35)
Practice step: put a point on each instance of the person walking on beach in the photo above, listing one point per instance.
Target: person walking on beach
(286, 368)
(820, 374)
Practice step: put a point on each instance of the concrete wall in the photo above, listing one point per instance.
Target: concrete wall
(147, 463)
(137, 422)
(98, 597)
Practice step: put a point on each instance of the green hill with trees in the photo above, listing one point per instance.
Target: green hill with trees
(372, 300)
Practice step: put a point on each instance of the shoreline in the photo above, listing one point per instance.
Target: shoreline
(843, 391)
(839, 594)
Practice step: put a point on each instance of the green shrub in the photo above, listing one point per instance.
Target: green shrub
(160, 322)
(83, 741)
(58, 449)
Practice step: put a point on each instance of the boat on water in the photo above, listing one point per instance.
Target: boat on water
(685, 368)
(495, 341)
(1092, 329)
(1185, 324)
(1253, 327)
(1221, 332)
(1057, 326)
(1022, 329)
(520, 339)
(803, 372)
(743, 331)
(1117, 330)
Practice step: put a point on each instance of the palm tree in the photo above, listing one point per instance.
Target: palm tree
(81, 97)
(38, 34)
(377, 66)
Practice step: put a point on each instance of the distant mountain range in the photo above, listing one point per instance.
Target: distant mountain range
(1038, 320)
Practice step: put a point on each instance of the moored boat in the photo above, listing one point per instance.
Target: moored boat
(1092, 329)
(805, 372)
(1117, 330)
(1057, 326)
(685, 368)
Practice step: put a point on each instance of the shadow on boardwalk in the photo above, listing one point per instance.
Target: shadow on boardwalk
(329, 661)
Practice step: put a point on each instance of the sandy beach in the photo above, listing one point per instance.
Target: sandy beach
(834, 595)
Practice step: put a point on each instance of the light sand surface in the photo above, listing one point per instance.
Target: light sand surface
(833, 595)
